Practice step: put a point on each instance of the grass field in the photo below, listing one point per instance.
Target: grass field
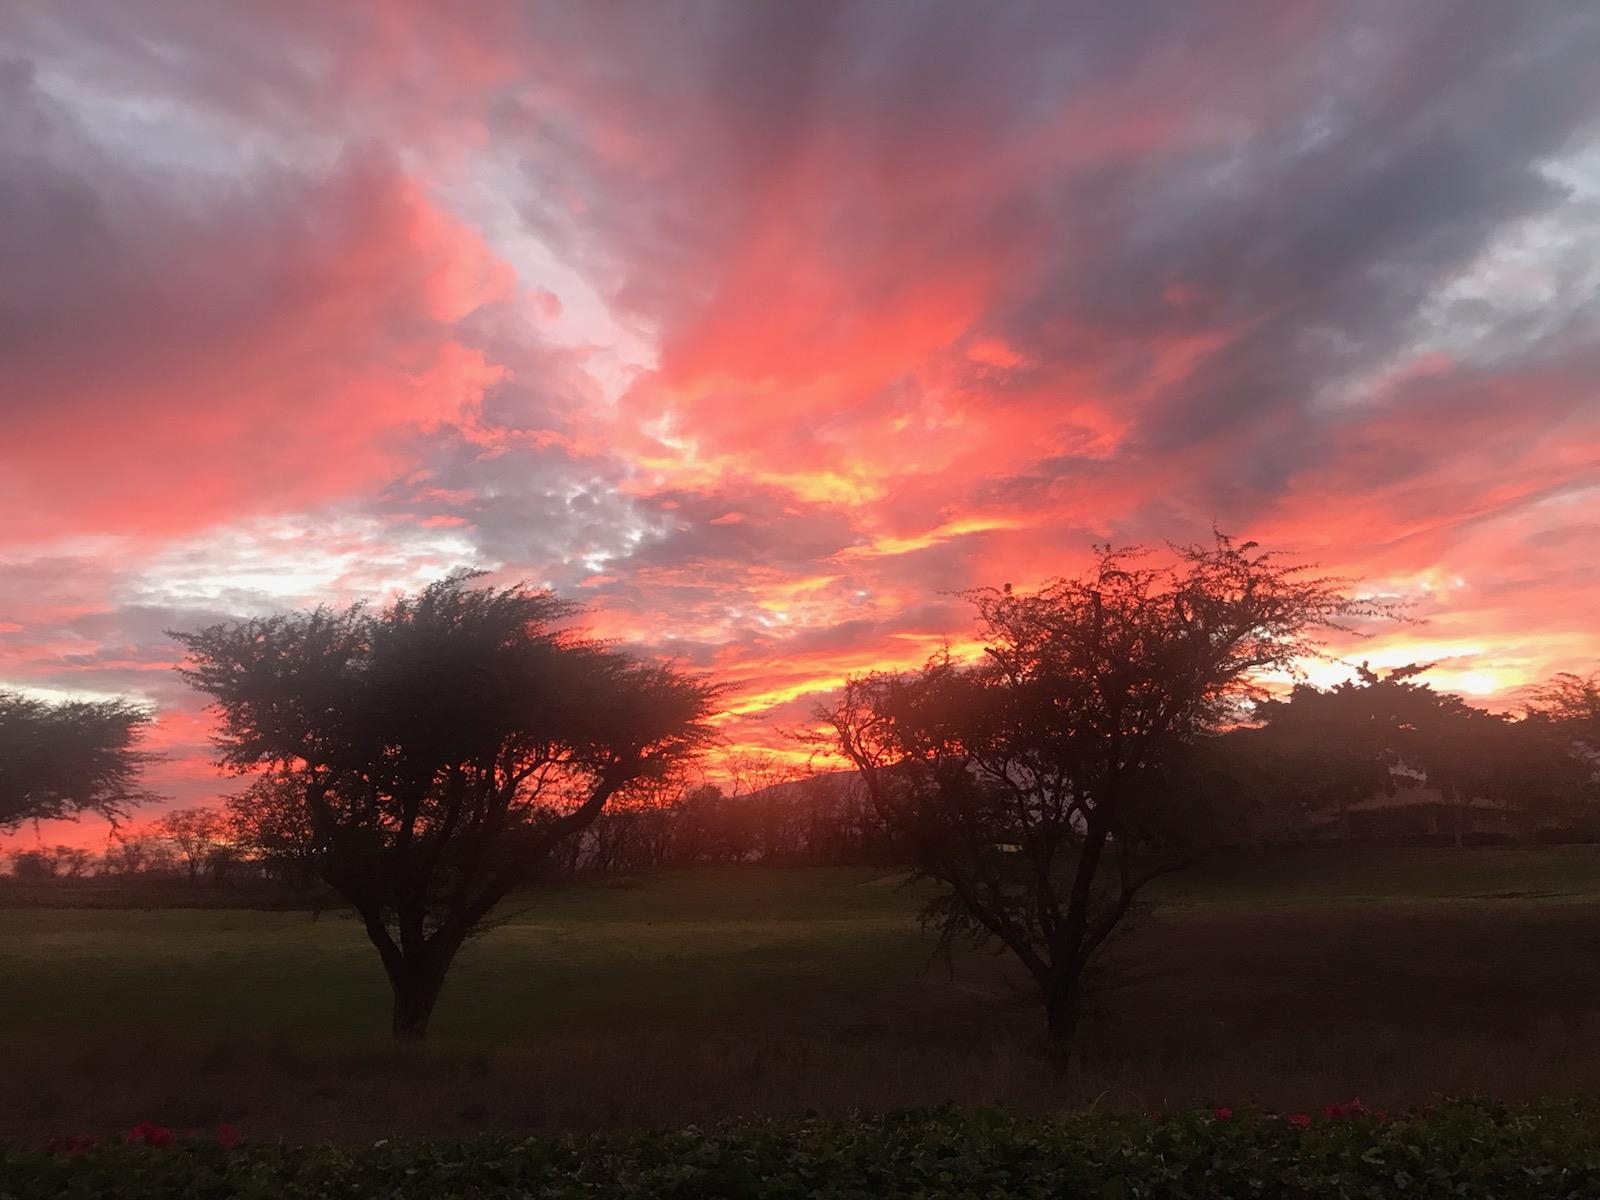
(1286, 980)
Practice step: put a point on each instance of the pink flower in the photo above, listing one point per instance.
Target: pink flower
(1223, 1114)
(227, 1136)
(1298, 1121)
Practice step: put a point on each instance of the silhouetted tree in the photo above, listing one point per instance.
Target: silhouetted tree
(1046, 784)
(1557, 748)
(134, 855)
(709, 829)
(35, 864)
(53, 862)
(836, 819)
(200, 836)
(1572, 702)
(634, 833)
(788, 817)
(1462, 751)
(1321, 749)
(444, 745)
(270, 825)
(72, 861)
(757, 787)
(59, 760)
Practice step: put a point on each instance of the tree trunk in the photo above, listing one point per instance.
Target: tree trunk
(416, 991)
(1061, 1012)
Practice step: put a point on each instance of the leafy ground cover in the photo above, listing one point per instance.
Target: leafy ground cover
(1463, 1151)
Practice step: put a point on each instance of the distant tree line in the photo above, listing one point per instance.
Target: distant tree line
(1323, 761)
(797, 818)
(765, 812)
(1295, 773)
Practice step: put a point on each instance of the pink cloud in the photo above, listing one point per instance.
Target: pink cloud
(263, 358)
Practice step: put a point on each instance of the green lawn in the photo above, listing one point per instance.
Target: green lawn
(1317, 875)
(724, 947)
(1286, 978)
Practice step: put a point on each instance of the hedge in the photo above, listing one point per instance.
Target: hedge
(1460, 1150)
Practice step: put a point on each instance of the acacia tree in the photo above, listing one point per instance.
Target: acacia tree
(1557, 749)
(77, 756)
(1572, 702)
(269, 826)
(1048, 783)
(36, 864)
(201, 838)
(443, 746)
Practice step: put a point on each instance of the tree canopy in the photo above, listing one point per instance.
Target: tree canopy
(1329, 748)
(442, 746)
(1571, 701)
(1560, 741)
(75, 756)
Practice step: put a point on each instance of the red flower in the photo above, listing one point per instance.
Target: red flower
(1223, 1114)
(150, 1134)
(227, 1136)
(1298, 1121)
(1338, 1112)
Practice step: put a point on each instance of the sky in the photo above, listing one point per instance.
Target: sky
(763, 329)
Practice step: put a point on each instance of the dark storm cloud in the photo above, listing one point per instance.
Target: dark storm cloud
(1308, 180)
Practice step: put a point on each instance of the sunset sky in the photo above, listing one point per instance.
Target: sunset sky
(760, 328)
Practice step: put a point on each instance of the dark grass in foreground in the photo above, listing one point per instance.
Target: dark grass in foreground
(1282, 981)
(1461, 1151)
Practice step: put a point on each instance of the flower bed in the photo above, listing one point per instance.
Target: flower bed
(1460, 1150)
